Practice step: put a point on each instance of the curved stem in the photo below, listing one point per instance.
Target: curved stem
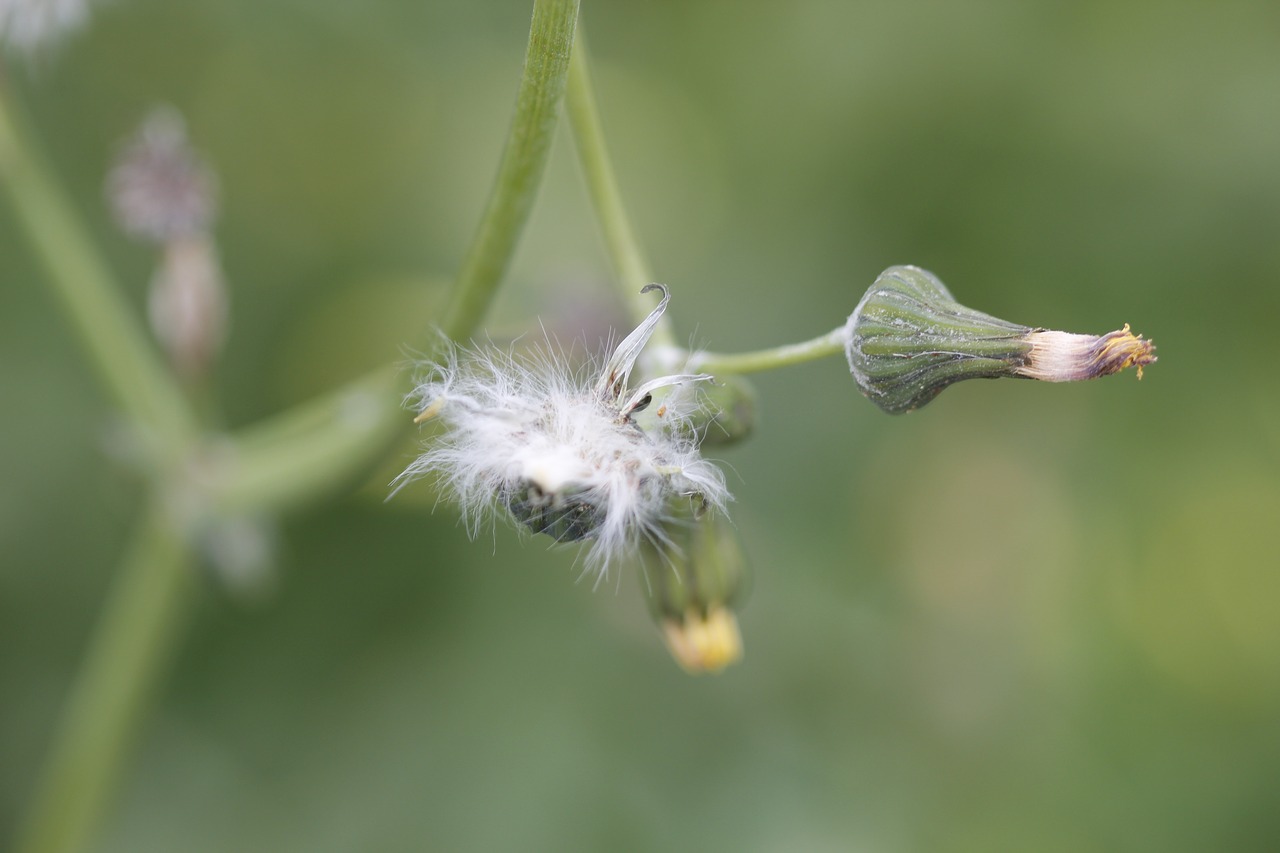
(127, 656)
(319, 444)
(312, 449)
(118, 347)
(523, 163)
(620, 240)
(829, 344)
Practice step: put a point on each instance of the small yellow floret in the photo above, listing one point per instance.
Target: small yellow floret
(1124, 349)
(704, 644)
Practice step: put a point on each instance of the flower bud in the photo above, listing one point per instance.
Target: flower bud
(162, 192)
(728, 413)
(159, 188)
(908, 339)
(694, 582)
(187, 305)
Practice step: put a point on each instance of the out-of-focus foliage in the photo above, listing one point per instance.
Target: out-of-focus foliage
(1028, 617)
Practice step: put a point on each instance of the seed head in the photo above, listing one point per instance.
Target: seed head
(578, 457)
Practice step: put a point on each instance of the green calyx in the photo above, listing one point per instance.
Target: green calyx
(702, 568)
(908, 339)
(727, 413)
(695, 579)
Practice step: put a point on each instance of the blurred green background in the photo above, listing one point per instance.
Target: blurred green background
(1028, 617)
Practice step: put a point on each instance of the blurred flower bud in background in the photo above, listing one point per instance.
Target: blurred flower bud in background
(240, 551)
(162, 192)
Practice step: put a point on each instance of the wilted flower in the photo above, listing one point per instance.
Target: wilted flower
(576, 458)
(909, 338)
(30, 25)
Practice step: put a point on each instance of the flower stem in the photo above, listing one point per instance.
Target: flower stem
(523, 163)
(127, 656)
(620, 240)
(117, 345)
(832, 343)
(312, 449)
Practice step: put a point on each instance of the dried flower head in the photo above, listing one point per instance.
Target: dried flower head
(31, 25)
(159, 188)
(565, 455)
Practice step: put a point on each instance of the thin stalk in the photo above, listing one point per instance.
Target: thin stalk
(312, 449)
(127, 657)
(116, 343)
(523, 163)
(832, 343)
(620, 239)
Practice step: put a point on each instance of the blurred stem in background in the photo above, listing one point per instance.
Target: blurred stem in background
(126, 652)
(297, 456)
(132, 643)
(127, 364)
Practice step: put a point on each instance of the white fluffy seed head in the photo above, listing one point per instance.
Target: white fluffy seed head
(572, 454)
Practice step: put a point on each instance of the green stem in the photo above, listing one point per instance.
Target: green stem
(620, 239)
(127, 656)
(523, 163)
(117, 345)
(831, 343)
(311, 449)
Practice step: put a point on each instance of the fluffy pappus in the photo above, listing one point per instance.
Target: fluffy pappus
(577, 455)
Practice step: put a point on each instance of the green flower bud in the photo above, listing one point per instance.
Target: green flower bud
(728, 411)
(693, 587)
(732, 403)
(908, 339)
